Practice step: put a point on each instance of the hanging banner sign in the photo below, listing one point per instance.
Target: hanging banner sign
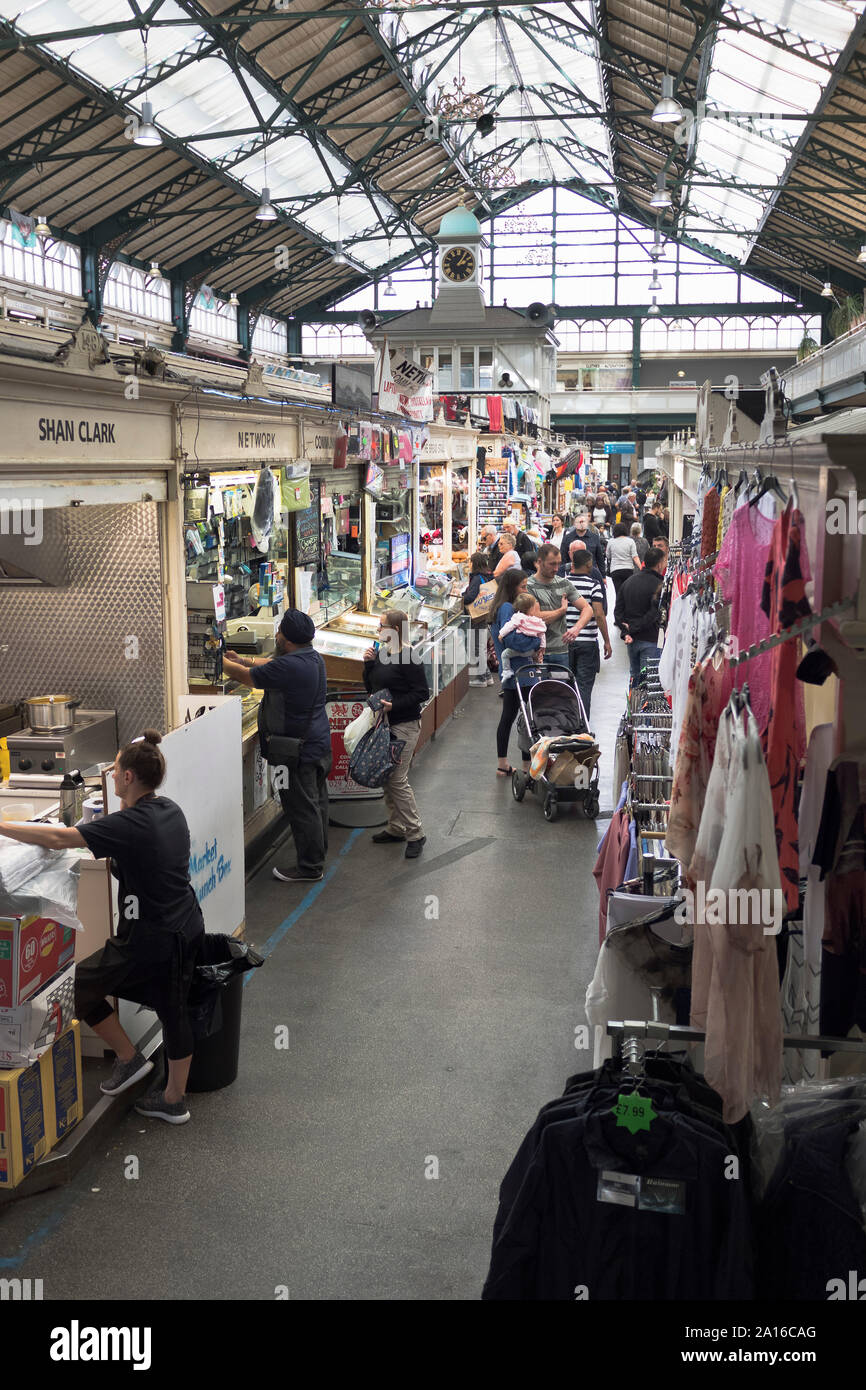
(404, 388)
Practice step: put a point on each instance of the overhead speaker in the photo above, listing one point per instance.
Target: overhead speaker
(367, 320)
(539, 313)
(484, 125)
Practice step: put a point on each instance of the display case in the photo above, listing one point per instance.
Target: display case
(343, 654)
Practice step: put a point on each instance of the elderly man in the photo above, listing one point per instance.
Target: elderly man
(596, 574)
(522, 543)
(488, 540)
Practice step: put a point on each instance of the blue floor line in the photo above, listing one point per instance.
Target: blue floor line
(306, 902)
(35, 1239)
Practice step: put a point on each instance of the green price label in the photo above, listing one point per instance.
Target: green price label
(633, 1112)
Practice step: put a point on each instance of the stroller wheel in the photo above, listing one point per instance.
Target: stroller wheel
(590, 807)
(551, 807)
(518, 785)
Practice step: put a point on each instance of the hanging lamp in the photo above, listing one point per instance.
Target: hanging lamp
(146, 133)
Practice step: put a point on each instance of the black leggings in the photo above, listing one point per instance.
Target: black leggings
(510, 711)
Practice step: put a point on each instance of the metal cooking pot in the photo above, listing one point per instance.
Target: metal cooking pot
(49, 714)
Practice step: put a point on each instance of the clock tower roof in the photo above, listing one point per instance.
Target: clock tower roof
(459, 223)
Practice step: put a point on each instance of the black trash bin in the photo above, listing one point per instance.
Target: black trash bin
(216, 1001)
(215, 1059)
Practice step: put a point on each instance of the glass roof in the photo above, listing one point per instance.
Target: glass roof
(533, 78)
(749, 74)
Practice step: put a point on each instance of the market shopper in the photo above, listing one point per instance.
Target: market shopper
(595, 573)
(583, 655)
(586, 532)
(293, 707)
(391, 667)
(509, 557)
(640, 541)
(152, 957)
(637, 610)
(512, 583)
(622, 556)
(479, 573)
(554, 594)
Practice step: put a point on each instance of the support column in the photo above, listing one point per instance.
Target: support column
(635, 353)
(180, 308)
(294, 337)
(92, 282)
(368, 550)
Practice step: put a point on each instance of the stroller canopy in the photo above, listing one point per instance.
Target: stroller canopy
(554, 709)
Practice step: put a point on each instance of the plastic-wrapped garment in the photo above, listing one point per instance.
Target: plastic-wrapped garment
(52, 891)
(18, 863)
(264, 497)
(810, 1228)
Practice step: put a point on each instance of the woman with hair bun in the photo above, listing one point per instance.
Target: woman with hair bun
(152, 957)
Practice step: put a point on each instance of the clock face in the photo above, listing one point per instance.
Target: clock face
(458, 264)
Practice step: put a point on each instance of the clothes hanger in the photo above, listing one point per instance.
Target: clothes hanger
(769, 484)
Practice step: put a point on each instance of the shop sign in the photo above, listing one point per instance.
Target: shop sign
(319, 441)
(236, 440)
(404, 388)
(619, 446)
(341, 712)
(44, 430)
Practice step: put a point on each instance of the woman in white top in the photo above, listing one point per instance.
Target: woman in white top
(556, 530)
(622, 556)
(508, 554)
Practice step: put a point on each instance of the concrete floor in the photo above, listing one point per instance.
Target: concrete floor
(431, 1010)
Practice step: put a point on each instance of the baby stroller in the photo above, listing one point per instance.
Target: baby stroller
(551, 708)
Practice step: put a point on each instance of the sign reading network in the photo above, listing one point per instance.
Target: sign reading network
(619, 446)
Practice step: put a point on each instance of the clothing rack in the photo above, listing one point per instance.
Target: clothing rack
(842, 605)
(675, 1032)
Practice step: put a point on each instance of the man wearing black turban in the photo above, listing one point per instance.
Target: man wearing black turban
(293, 705)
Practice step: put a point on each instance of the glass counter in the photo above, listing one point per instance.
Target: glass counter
(343, 654)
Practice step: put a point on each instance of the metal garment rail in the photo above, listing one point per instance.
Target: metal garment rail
(841, 606)
(675, 1032)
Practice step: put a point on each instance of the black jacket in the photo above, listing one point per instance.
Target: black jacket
(637, 606)
(652, 527)
(523, 544)
(406, 681)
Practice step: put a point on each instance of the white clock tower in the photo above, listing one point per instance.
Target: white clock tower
(460, 299)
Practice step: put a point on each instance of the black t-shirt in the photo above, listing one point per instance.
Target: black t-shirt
(148, 844)
(299, 678)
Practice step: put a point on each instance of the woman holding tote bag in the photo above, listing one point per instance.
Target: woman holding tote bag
(389, 666)
(479, 594)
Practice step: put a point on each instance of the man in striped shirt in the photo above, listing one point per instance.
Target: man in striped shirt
(583, 657)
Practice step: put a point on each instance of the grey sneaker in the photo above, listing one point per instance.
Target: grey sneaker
(125, 1074)
(158, 1108)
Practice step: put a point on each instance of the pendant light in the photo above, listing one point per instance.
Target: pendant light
(862, 257)
(42, 228)
(653, 308)
(147, 133)
(661, 198)
(389, 287)
(667, 110)
(234, 302)
(655, 283)
(338, 256)
(266, 212)
(658, 250)
(827, 291)
(155, 273)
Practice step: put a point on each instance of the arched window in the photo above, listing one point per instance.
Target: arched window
(270, 335)
(137, 292)
(42, 261)
(213, 317)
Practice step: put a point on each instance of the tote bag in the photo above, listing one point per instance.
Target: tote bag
(483, 601)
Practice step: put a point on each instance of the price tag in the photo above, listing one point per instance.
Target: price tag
(634, 1112)
(219, 602)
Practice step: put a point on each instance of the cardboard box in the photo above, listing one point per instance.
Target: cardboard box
(23, 1123)
(32, 951)
(61, 1085)
(29, 1030)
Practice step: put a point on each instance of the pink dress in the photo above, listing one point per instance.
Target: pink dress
(740, 568)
